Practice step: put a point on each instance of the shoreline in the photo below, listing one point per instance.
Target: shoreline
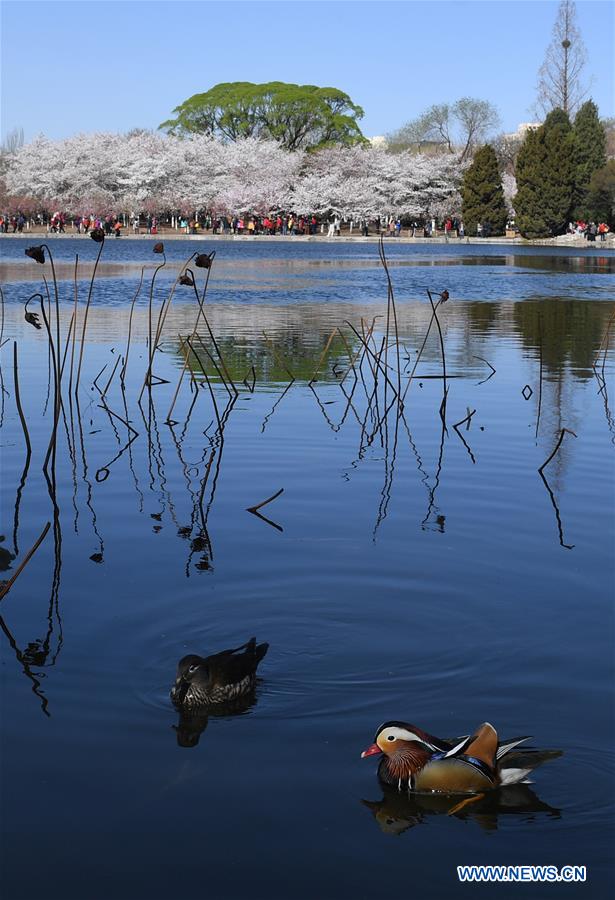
(572, 241)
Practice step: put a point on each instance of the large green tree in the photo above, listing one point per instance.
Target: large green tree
(590, 155)
(482, 194)
(546, 177)
(299, 116)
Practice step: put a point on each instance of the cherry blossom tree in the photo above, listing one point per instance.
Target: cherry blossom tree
(365, 182)
(106, 173)
(258, 176)
(509, 186)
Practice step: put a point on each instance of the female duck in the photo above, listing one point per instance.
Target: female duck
(203, 681)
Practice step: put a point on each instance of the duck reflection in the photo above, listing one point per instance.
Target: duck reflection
(397, 812)
(193, 721)
(222, 684)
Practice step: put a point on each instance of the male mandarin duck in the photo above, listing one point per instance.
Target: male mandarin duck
(414, 760)
(220, 678)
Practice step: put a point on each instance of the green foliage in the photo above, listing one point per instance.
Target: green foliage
(602, 194)
(482, 194)
(609, 129)
(590, 155)
(298, 116)
(545, 178)
(558, 118)
(300, 351)
(567, 331)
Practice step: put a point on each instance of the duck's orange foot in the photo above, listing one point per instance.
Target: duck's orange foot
(459, 806)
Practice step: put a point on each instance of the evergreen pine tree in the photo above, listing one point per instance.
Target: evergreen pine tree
(590, 155)
(602, 194)
(482, 194)
(545, 178)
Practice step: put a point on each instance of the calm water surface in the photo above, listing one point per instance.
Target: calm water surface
(414, 573)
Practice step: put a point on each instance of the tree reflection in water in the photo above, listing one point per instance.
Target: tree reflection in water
(356, 363)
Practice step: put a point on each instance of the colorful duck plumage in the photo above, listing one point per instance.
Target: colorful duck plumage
(413, 760)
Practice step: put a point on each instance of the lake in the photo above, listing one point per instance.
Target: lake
(410, 570)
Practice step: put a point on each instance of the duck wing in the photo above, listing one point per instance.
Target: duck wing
(506, 746)
(248, 647)
(518, 764)
(466, 768)
(459, 746)
(232, 666)
(482, 746)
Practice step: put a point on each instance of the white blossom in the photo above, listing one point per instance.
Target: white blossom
(139, 171)
(509, 186)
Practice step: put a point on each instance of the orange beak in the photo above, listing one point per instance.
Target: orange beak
(371, 751)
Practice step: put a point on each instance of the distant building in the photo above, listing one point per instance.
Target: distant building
(522, 130)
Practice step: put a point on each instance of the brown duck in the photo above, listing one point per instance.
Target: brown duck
(414, 760)
(220, 678)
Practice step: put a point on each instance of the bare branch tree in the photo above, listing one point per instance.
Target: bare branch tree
(440, 125)
(451, 128)
(507, 148)
(476, 118)
(433, 127)
(13, 141)
(559, 78)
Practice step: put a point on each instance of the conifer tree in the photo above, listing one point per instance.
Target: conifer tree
(590, 155)
(482, 194)
(546, 177)
(602, 194)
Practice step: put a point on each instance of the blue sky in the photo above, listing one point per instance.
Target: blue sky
(110, 66)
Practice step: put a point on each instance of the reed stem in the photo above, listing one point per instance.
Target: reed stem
(7, 585)
(22, 418)
(85, 315)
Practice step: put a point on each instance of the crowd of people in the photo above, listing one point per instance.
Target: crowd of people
(272, 224)
(16, 223)
(290, 224)
(589, 230)
(285, 224)
(57, 223)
